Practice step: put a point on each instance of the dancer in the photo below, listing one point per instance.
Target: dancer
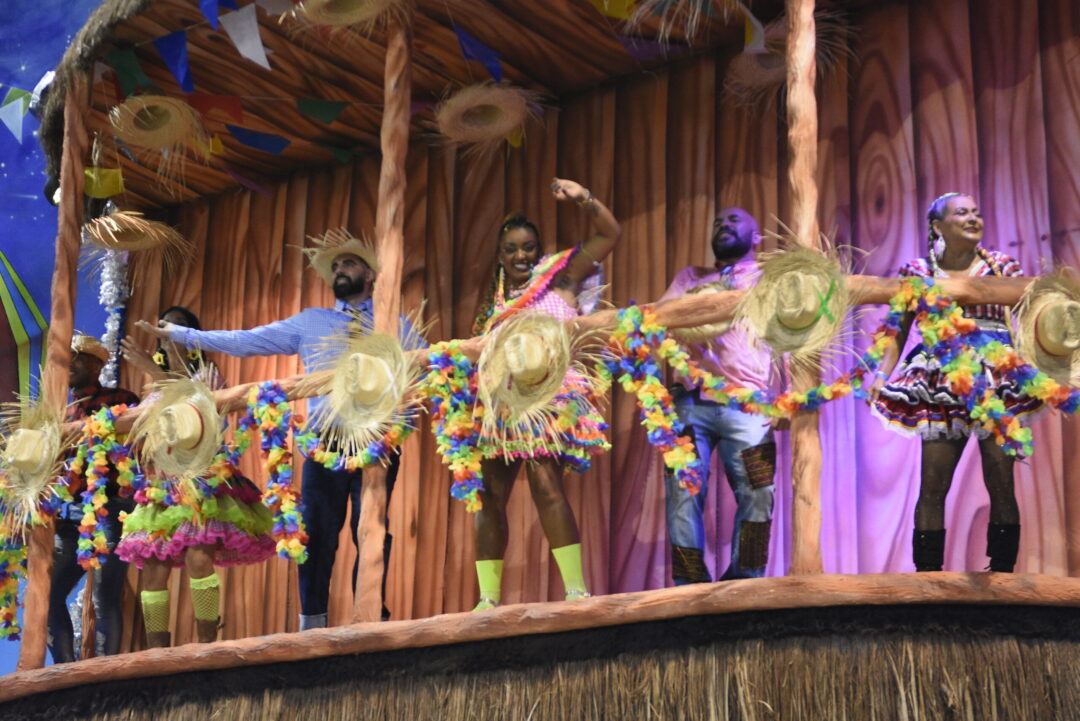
(919, 402)
(737, 436)
(349, 266)
(523, 279)
(226, 526)
(87, 360)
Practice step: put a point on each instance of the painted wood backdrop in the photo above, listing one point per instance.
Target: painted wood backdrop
(933, 97)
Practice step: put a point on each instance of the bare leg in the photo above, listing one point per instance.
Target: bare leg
(556, 516)
(490, 521)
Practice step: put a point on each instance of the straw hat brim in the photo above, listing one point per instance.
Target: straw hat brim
(759, 306)
(89, 345)
(130, 231)
(1039, 294)
(175, 462)
(334, 243)
(153, 122)
(344, 13)
(497, 389)
(483, 113)
(21, 491)
(349, 425)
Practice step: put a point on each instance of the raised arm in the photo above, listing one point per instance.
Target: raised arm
(278, 338)
(602, 241)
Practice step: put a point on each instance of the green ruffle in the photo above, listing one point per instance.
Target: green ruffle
(158, 520)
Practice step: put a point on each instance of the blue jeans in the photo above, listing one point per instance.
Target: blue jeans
(108, 584)
(325, 495)
(729, 432)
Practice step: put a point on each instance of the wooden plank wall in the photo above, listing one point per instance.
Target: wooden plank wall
(934, 97)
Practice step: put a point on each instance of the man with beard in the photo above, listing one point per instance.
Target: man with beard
(743, 440)
(350, 268)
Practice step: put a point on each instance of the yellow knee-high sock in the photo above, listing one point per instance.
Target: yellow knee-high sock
(489, 575)
(155, 608)
(568, 559)
(206, 597)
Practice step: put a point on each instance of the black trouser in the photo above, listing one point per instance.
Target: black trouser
(325, 494)
(107, 591)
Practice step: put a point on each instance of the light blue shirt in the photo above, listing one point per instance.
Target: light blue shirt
(309, 334)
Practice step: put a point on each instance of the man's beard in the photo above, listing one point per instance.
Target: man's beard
(725, 249)
(349, 289)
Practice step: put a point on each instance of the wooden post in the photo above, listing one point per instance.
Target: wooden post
(54, 382)
(802, 144)
(390, 236)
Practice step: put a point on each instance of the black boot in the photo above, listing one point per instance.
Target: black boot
(1002, 544)
(928, 549)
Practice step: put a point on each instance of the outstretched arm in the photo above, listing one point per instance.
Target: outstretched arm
(278, 338)
(597, 247)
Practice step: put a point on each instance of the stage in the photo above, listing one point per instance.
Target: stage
(935, 645)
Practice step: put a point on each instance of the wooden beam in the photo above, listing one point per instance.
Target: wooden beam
(54, 382)
(390, 235)
(802, 169)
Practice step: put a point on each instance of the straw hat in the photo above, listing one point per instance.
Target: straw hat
(798, 303)
(334, 243)
(181, 432)
(88, 344)
(153, 122)
(343, 13)
(128, 230)
(31, 445)
(1049, 332)
(483, 115)
(708, 332)
(369, 392)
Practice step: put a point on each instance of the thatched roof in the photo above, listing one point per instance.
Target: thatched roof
(554, 47)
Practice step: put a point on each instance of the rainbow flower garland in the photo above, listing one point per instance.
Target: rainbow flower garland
(450, 388)
(269, 412)
(99, 447)
(379, 451)
(12, 568)
(635, 367)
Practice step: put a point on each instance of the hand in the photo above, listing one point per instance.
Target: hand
(778, 424)
(569, 190)
(875, 388)
(136, 356)
(162, 330)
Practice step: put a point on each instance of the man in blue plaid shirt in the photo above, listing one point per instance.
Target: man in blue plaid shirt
(350, 267)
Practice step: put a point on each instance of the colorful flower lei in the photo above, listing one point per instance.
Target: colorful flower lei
(450, 389)
(99, 447)
(378, 451)
(12, 568)
(269, 412)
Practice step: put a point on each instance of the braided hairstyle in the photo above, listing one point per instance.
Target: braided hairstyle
(487, 304)
(936, 211)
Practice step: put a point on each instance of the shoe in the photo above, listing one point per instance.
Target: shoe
(575, 594)
(158, 639)
(1002, 545)
(485, 604)
(207, 631)
(928, 549)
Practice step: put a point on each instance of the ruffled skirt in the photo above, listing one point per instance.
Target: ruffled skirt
(235, 521)
(920, 401)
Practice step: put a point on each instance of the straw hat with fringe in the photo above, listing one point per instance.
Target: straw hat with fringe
(799, 302)
(88, 344)
(160, 123)
(1049, 329)
(704, 333)
(346, 13)
(182, 431)
(31, 447)
(483, 116)
(521, 369)
(370, 389)
(337, 242)
(684, 15)
(126, 231)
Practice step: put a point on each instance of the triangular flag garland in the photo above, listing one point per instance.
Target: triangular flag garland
(243, 28)
(14, 94)
(173, 50)
(209, 9)
(129, 72)
(754, 35)
(229, 104)
(516, 137)
(12, 116)
(103, 182)
(618, 9)
(326, 111)
(473, 49)
(260, 141)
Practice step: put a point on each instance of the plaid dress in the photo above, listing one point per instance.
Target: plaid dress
(919, 401)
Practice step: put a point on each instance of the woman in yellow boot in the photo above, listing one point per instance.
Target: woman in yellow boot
(557, 285)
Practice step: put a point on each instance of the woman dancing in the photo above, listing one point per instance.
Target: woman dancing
(524, 278)
(230, 528)
(920, 402)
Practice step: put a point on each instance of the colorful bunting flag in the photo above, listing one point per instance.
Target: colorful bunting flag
(243, 28)
(173, 50)
(204, 103)
(209, 10)
(230, 4)
(473, 49)
(103, 182)
(515, 138)
(260, 141)
(12, 116)
(129, 72)
(618, 9)
(249, 184)
(753, 35)
(214, 146)
(14, 94)
(323, 110)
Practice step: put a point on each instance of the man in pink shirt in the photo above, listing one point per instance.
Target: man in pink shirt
(738, 437)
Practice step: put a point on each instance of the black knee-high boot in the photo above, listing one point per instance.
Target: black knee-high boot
(928, 549)
(1002, 545)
